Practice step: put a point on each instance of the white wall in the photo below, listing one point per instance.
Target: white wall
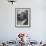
(8, 31)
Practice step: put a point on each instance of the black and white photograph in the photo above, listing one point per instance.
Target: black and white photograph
(23, 17)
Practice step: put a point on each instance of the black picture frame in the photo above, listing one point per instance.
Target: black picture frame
(22, 17)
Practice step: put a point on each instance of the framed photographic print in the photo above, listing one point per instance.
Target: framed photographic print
(22, 17)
